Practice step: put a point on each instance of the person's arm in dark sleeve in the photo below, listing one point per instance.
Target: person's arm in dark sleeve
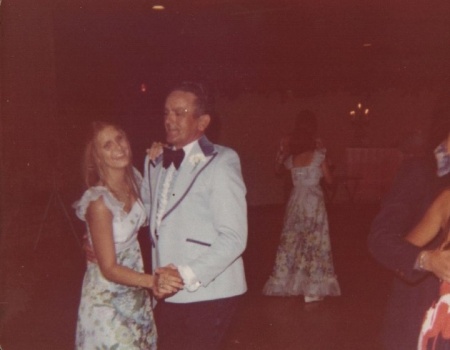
(401, 210)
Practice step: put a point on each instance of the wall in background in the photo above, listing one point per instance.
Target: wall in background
(39, 136)
(253, 125)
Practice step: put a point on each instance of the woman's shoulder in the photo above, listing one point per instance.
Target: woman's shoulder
(321, 151)
(99, 196)
(95, 192)
(441, 206)
(319, 155)
(289, 162)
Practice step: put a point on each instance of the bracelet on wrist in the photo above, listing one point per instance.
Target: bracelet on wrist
(423, 259)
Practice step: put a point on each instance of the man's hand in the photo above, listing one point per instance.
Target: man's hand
(167, 281)
(438, 262)
(88, 250)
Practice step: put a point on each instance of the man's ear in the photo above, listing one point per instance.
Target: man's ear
(204, 121)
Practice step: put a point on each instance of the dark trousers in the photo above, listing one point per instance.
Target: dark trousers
(200, 325)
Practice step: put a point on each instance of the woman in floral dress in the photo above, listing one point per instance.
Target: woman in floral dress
(304, 264)
(115, 310)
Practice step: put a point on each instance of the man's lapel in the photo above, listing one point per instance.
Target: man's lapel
(155, 181)
(194, 163)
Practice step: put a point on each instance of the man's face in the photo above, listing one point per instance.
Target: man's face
(181, 124)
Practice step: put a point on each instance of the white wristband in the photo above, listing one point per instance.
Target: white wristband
(191, 282)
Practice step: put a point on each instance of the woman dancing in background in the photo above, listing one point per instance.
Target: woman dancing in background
(115, 310)
(305, 120)
(303, 264)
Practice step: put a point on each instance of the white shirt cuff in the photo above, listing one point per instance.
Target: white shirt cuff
(191, 282)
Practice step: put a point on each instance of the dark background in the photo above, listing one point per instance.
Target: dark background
(65, 63)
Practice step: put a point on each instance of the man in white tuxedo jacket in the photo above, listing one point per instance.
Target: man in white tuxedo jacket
(195, 198)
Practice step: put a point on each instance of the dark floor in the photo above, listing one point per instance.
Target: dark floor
(40, 290)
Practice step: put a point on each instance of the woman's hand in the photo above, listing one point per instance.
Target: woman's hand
(88, 250)
(167, 281)
(156, 150)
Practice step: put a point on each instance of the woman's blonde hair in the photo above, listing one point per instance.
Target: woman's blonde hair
(92, 169)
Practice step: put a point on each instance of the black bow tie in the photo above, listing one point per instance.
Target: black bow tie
(172, 156)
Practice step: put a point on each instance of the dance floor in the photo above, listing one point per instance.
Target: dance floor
(41, 287)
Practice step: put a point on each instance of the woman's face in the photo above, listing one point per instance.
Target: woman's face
(113, 149)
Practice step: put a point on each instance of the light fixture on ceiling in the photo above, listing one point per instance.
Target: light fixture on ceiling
(158, 7)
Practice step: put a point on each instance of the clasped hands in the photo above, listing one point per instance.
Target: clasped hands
(167, 281)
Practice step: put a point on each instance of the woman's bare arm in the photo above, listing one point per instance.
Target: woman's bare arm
(99, 219)
(435, 218)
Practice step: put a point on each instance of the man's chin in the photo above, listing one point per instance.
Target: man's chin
(170, 137)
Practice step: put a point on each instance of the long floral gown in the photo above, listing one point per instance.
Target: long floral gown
(304, 264)
(111, 315)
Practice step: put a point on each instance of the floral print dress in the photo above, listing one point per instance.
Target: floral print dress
(304, 264)
(111, 315)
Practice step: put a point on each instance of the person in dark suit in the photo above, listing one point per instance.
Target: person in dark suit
(417, 270)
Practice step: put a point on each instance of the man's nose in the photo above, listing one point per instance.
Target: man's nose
(169, 117)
